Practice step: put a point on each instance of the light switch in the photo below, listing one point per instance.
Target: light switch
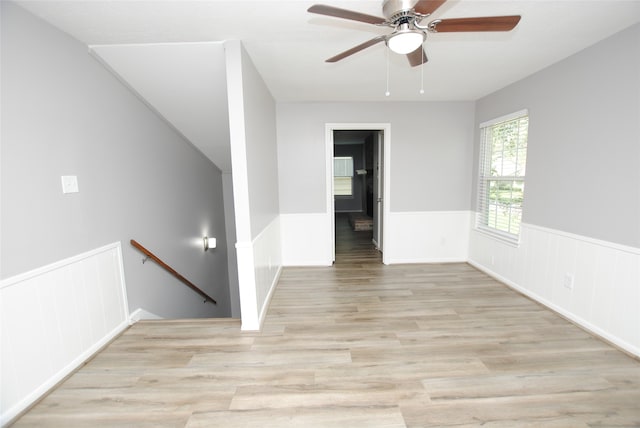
(69, 184)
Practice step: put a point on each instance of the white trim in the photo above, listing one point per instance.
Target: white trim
(433, 260)
(505, 118)
(247, 281)
(505, 238)
(594, 241)
(262, 233)
(123, 285)
(8, 282)
(330, 201)
(237, 136)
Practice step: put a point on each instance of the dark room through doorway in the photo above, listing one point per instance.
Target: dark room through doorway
(357, 193)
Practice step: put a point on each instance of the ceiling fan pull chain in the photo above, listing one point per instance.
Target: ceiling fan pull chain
(422, 74)
(387, 57)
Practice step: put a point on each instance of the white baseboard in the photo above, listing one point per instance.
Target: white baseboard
(142, 314)
(410, 261)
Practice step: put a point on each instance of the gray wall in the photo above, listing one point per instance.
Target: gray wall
(232, 259)
(583, 166)
(431, 152)
(63, 114)
(261, 148)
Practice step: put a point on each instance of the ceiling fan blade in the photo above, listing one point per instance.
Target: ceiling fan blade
(427, 7)
(356, 49)
(488, 23)
(417, 57)
(345, 14)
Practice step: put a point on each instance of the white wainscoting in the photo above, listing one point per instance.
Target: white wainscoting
(605, 297)
(259, 267)
(56, 317)
(267, 257)
(411, 237)
(306, 239)
(427, 237)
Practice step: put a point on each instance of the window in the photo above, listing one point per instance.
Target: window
(343, 176)
(503, 157)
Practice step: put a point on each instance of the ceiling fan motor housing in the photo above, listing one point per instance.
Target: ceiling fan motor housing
(396, 9)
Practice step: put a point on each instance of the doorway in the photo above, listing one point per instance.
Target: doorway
(358, 182)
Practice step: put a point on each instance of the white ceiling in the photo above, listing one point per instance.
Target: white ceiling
(163, 50)
(289, 45)
(183, 82)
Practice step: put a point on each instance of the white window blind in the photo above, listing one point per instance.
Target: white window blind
(503, 158)
(343, 176)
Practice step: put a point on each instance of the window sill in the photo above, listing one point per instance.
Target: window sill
(511, 240)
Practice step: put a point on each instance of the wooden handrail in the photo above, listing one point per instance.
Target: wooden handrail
(173, 272)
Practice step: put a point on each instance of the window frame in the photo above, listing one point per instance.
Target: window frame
(350, 168)
(485, 179)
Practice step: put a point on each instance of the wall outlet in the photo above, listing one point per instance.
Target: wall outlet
(568, 281)
(69, 184)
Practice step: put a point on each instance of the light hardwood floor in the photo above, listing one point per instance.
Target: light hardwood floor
(359, 344)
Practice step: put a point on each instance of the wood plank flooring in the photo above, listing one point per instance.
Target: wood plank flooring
(359, 344)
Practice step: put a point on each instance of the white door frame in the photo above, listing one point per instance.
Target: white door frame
(386, 179)
(378, 190)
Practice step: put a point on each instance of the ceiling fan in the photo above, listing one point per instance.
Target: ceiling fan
(405, 17)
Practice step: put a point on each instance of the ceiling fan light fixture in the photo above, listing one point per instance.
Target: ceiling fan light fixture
(405, 40)
(408, 35)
